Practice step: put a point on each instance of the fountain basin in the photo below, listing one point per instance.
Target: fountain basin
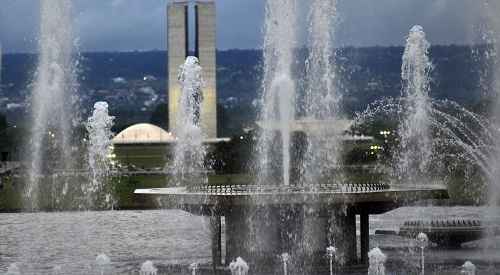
(262, 222)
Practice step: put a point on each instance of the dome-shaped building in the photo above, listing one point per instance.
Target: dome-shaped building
(143, 133)
(143, 146)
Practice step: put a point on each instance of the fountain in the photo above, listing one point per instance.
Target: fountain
(415, 149)
(278, 97)
(322, 96)
(278, 212)
(52, 113)
(468, 268)
(440, 132)
(148, 268)
(377, 260)
(285, 258)
(239, 267)
(331, 253)
(103, 263)
(275, 213)
(13, 269)
(58, 270)
(194, 267)
(422, 242)
(98, 156)
(493, 63)
(189, 151)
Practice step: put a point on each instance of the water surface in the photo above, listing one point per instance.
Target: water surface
(38, 242)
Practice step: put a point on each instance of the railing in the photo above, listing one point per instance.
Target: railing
(442, 223)
(235, 189)
(8, 166)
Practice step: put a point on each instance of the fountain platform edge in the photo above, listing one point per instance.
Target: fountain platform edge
(240, 195)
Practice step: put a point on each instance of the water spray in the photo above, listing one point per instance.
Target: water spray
(193, 267)
(377, 260)
(285, 257)
(331, 253)
(468, 268)
(102, 261)
(148, 268)
(238, 267)
(422, 242)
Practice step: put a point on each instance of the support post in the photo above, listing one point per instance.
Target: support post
(216, 239)
(236, 233)
(230, 235)
(350, 236)
(364, 236)
(343, 227)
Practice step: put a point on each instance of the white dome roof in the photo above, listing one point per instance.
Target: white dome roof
(143, 133)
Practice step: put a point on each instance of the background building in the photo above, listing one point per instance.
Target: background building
(142, 146)
(204, 48)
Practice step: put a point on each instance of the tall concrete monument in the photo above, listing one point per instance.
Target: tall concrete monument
(204, 48)
(1, 56)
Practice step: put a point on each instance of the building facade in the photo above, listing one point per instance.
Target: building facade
(204, 48)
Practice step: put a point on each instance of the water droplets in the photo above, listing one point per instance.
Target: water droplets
(148, 268)
(189, 152)
(99, 151)
(52, 108)
(415, 148)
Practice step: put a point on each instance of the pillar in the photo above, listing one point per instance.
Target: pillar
(342, 225)
(235, 232)
(216, 240)
(364, 236)
(178, 42)
(254, 234)
(205, 49)
(350, 238)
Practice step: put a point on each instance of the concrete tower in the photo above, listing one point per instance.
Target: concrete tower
(1, 56)
(178, 48)
(178, 44)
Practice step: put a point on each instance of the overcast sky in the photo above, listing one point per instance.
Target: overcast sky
(123, 25)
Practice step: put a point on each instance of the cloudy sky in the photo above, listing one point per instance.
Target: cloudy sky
(123, 25)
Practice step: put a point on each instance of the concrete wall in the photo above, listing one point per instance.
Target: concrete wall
(205, 47)
(177, 51)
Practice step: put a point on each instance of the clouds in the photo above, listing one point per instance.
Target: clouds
(117, 3)
(120, 24)
(387, 22)
(108, 25)
(18, 24)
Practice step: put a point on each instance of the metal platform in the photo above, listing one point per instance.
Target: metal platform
(449, 233)
(350, 194)
(263, 221)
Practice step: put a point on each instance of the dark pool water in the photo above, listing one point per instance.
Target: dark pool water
(68, 242)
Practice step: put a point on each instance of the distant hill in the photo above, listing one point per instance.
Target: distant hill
(134, 83)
